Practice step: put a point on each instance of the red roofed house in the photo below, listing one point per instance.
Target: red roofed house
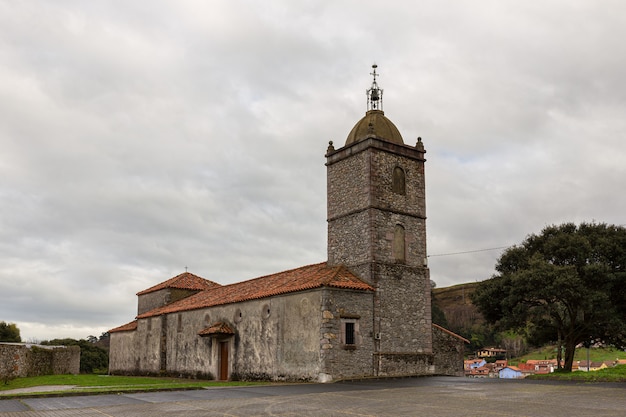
(364, 312)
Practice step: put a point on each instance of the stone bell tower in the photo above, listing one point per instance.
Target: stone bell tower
(377, 228)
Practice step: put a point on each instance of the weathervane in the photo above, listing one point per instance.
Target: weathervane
(374, 94)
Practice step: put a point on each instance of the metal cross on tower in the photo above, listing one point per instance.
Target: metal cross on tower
(374, 94)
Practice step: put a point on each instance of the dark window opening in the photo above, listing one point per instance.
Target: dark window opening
(349, 340)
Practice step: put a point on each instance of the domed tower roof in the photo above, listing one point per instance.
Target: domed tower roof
(374, 123)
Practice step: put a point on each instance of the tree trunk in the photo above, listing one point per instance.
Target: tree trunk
(570, 348)
(559, 352)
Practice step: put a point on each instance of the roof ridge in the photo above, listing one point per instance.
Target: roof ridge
(170, 283)
(276, 273)
(336, 270)
(293, 280)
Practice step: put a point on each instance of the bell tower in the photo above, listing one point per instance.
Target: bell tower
(377, 228)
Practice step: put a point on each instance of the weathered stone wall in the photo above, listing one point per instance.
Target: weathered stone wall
(412, 202)
(347, 182)
(349, 229)
(124, 353)
(359, 178)
(339, 360)
(137, 352)
(66, 360)
(22, 360)
(293, 337)
(152, 300)
(379, 231)
(448, 349)
(13, 360)
(275, 339)
(404, 364)
(384, 223)
(403, 309)
(159, 298)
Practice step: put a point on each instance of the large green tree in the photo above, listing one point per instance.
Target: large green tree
(9, 332)
(567, 284)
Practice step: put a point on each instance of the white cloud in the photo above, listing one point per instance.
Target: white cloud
(138, 139)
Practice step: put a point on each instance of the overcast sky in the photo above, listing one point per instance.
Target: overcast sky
(140, 138)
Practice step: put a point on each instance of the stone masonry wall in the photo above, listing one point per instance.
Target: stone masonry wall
(339, 360)
(349, 229)
(137, 352)
(413, 201)
(363, 210)
(381, 237)
(403, 309)
(279, 338)
(23, 360)
(275, 338)
(448, 349)
(152, 300)
(155, 299)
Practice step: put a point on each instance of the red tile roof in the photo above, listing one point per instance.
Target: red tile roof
(450, 333)
(299, 279)
(128, 327)
(184, 281)
(216, 328)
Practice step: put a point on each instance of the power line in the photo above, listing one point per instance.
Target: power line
(481, 250)
(468, 251)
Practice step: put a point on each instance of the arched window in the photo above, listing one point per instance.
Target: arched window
(398, 249)
(398, 182)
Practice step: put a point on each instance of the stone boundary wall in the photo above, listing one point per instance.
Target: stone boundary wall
(404, 364)
(448, 349)
(24, 360)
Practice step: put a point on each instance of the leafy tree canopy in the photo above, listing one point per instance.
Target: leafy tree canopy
(9, 332)
(567, 284)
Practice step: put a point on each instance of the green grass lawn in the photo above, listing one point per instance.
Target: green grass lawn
(595, 354)
(616, 374)
(89, 383)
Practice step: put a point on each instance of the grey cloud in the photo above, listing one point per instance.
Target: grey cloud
(140, 139)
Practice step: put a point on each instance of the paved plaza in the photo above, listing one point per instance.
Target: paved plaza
(432, 397)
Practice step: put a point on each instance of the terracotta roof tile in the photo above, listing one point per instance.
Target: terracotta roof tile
(299, 279)
(128, 327)
(216, 328)
(184, 281)
(450, 333)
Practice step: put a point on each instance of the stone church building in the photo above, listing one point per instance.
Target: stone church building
(365, 312)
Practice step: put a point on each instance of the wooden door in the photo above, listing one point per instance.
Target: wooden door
(223, 361)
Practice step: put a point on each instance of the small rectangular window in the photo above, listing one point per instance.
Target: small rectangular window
(350, 334)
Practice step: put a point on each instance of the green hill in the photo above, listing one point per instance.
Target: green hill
(455, 302)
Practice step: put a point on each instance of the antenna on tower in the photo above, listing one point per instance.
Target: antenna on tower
(374, 94)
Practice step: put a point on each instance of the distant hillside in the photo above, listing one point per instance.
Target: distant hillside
(457, 306)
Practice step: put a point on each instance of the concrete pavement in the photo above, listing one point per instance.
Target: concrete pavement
(433, 397)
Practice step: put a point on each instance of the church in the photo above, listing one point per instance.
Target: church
(364, 312)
